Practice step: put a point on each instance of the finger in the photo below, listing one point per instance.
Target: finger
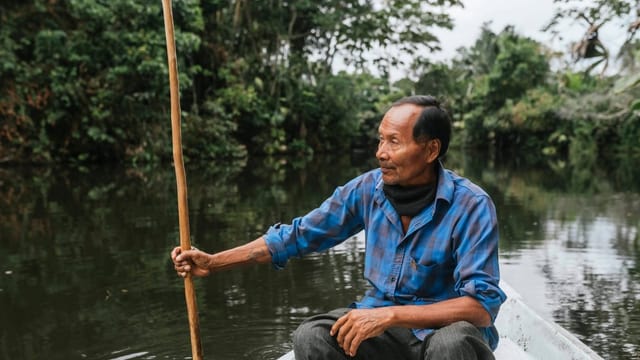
(185, 255)
(178, 264)
(182, 267)
(355, 344)
(344, 331)
(175, 252)
(349, 336)
(336, 326)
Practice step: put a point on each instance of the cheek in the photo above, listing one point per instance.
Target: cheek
(403, 166)
(412, 163)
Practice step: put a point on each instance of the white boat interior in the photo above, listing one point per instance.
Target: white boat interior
(525, 335)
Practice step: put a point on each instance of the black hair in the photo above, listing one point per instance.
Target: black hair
(434, 122)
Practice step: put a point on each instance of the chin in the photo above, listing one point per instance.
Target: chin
(390, 181)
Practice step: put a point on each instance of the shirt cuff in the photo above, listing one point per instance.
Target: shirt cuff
(276, 247)
(489, 296)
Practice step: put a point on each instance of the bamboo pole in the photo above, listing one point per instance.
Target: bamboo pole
(181, 179)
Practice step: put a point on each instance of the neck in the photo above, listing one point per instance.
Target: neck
(428, 177)
(410, 200)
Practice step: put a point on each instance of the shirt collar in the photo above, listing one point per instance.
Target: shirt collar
(445, 184)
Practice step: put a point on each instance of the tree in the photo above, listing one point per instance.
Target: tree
(499, 70)
(290, 47)
(85, 80)
(605, 118)
(594, 15)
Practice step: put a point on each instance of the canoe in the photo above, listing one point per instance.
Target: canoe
(526, 335)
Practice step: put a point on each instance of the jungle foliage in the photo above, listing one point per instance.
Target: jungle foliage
(87, 80)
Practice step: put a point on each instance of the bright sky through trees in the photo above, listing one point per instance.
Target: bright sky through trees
(527, 16)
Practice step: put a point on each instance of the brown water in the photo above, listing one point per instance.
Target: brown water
(84, 269)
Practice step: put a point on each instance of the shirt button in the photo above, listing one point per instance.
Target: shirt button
(392, 279)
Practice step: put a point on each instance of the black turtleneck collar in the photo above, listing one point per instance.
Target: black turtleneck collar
(410, 200)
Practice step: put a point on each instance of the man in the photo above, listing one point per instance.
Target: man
(431, 251)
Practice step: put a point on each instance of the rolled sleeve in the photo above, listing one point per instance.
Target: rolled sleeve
(488, 295)
(278, 250)
(285, 241)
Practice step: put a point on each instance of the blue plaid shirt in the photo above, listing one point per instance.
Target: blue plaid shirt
(449, 250)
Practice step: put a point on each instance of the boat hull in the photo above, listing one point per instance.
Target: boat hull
(526, 335)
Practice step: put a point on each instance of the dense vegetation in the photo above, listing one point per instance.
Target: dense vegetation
(87, 80)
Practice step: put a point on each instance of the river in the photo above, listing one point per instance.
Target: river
(85, 272)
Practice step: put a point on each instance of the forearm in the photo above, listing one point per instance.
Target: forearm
(439, 314)
(255, 252)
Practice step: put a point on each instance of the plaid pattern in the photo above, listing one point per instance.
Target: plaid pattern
(449, 250)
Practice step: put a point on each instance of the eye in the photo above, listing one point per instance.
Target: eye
(391, 141)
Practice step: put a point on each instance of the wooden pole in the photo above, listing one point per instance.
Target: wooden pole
(181, 179)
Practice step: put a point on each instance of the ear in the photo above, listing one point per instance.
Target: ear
(433, 149)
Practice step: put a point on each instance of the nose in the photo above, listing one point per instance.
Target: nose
(381, 153)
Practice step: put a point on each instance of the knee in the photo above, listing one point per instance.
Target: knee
(309, 337)
(463, 329)
(460, 340)
(308, 331)
(312, 340)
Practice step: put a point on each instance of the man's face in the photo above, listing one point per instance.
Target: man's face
(404, 161)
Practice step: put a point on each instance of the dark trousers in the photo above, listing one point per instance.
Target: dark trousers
(459, 341)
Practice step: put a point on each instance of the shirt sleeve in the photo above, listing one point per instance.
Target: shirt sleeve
(477, 272)
(334, 221)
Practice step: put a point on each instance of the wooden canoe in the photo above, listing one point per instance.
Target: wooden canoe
(526, 335)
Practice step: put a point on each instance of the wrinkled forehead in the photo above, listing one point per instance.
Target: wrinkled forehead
(400, 118)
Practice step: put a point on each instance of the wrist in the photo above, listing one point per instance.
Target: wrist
(210, 262)
(391, 316)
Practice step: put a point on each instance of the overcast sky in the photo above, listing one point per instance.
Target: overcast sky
(527, 16)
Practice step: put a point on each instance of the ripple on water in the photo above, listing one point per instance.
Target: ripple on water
(268, 340)
(265, 352)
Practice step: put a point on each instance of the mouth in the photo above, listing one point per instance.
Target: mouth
(386, 169)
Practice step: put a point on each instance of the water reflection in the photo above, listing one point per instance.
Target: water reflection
(84, 271)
